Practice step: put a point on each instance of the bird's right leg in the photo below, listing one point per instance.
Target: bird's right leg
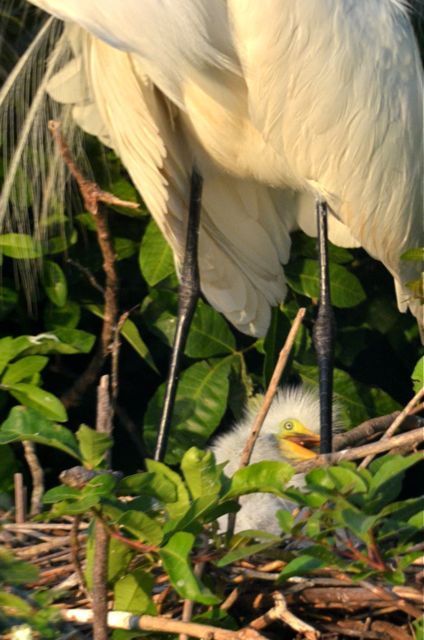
(323, 335)
(189, 292)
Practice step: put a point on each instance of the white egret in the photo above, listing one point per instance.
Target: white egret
(276, 103)
(289, 433)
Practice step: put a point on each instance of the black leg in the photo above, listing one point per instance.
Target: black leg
(188, 295)
(323, 334)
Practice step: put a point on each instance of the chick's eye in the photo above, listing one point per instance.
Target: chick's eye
(288, 426)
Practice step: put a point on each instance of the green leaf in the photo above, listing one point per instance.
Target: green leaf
(61, 340)
(26, 424)
(303, 277)
(418, 375)
(163, 476)
(119, 557)
(14, 604)
(274, 341)
(209, 334)
(35, 398)
(201, 474)
(154, 484)
(414, 255)
(67, 316)
(285, 520)
(300, 566)
(359, 523)
(15, 572)
(142, 527)
(386, 482)
(93, 445)
(54, 283)
(124, 247)
(20, 246)
(24, 369)
(357, 402)
(8, 300)
(249, 550)
(269, 476)
(132, 335)
(10, 348)
(176, 563)
(133, 593)
(200, 404)
(155, 259)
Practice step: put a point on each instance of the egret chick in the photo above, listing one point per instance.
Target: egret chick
(289, 434)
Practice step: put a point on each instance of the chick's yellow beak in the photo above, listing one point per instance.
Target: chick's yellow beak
(296, 441)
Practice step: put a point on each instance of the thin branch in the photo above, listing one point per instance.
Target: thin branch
(37, 476)
(93, 198)
(272, 389)
(268, 398)
(75, 559)
(396, 423)
(280, 612)
(101, 534)
(412, 438)
(160, 624)
(19, 498)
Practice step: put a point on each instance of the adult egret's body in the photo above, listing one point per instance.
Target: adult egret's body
(293, 421)
(276, 103)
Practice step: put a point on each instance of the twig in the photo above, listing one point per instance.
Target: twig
(396, 423)
(37, 476)
(101, 535)
(189, 604)
(93, 198)
(266, 403)
(75, 559)
(161, 624)
(411, 438)
(370, 428)
(272, 389)
(19, 498)
(281, 612)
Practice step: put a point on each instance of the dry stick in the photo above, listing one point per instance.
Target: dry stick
(101, 536)
(189, 604)
(281, 612)
(19, 498)
(272, 389)
(366, 430)
(93, 196)
(411, 438)
(75, 559)
(161, 624)
(396, 423)
(37, 476)
(269, 396)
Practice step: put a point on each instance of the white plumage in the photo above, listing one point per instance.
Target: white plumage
(297, 406)
(278, 103)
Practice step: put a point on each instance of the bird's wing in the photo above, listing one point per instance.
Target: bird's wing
(240, 251)
(343, 110)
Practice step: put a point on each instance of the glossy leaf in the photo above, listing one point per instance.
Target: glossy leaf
(94, 445)
(20, 246)
(175, 558)
(209, 334)
(39, 399)
(156, 260)
(133, 593)
(269, 476)
(142, 527)
(24, 369)
(200, 404)
(346, 289)
(418, 375)
(54, 283)
(201, 474)
(24, 423)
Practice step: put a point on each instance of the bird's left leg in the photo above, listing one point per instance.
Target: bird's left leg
(189, 292)
(323, 334)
